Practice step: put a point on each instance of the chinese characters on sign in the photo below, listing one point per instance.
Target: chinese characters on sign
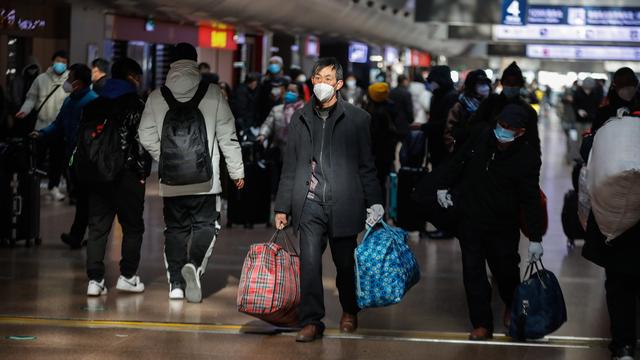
(9, 20)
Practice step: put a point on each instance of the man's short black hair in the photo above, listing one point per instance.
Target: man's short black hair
(80, 72)
(251, 77)
(204, 65)
(124, 67)
(101, 64)
(60, 53)
(402, 78)
(331, 62)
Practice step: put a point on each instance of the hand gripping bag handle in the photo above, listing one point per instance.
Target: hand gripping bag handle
(287, 241)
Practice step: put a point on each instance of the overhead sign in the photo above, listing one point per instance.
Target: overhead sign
(217, 36)
(391, 55)
(567, 33)
(514, 12)
(582, 16)
(358, 52)
(571, 52)
(420, 59)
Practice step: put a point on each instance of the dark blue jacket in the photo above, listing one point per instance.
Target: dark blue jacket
(68, 118)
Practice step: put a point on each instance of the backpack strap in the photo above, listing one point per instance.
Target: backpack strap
(200, 93)
(168, 97)
(195, 100)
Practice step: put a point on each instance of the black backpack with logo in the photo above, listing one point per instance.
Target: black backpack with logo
(99, 157)
(185, 158)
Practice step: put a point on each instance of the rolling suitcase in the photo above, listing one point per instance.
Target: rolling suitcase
(409, 215)
(252, 204)
(570, 220)
(20, 188)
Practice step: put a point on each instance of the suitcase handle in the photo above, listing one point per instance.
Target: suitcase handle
(17, 205)
(288, 244)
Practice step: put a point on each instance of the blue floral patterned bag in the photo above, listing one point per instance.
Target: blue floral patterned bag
(385, 267)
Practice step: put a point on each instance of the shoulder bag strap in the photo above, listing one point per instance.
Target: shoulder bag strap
(47, 98)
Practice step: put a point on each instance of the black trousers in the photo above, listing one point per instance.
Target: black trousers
(622, 298)
(123, 197)
(80, 192)
(189, 217)
(51, 151)
(499, 249)
(314, 233)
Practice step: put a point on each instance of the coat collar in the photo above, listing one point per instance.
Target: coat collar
(309, 111)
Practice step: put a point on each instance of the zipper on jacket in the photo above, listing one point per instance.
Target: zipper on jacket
(493, 157)
(324, 182)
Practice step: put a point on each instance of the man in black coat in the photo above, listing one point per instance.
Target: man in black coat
(496, 176)
(401, 97)
(328, 181)
(244, 102)
(124, 196)
(512, 82)
(443, 99)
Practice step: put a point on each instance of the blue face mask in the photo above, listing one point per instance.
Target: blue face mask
(483, 90)
(273, 69)
(290, 97)
(511, 91)
(503, 135)
(59, 68)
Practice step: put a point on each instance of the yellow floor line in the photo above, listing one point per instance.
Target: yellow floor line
(363, 334)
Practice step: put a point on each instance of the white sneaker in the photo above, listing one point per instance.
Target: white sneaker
(176, 293)
(192, 278)
(132, 284)
(56, 194)
(96, 288)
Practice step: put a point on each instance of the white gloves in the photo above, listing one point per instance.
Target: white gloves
(535, 251)
(374, 214)
(444, 199)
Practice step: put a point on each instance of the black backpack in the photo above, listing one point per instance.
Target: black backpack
(185, 158)
(98, 156)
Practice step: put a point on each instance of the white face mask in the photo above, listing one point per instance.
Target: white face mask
(276, 92)
(324, 92)
(627, 93)
(351, 84)
(301, 78)
(67, 87)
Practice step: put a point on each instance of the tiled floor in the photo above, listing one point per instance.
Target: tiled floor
(49, 282)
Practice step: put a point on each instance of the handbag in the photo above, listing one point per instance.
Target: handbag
(538, 307)
(385, 267)
(269, 287)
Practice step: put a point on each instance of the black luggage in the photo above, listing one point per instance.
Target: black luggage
(410, 216)
(252, 204)
(20, 193)
(570, 221)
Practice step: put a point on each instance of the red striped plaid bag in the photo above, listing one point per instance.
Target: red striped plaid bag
(269, 286)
